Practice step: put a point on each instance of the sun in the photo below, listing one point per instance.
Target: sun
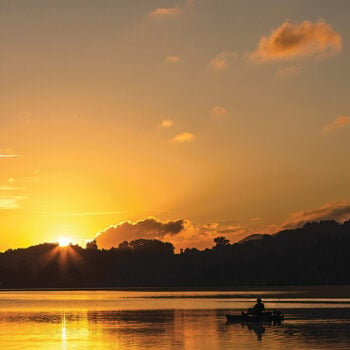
(64, 241)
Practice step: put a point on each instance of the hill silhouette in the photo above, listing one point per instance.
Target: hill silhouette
(317, 253)
(252, 237)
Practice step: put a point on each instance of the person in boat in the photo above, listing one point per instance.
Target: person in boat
(258, 308)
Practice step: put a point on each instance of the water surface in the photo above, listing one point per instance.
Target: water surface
(169, 320)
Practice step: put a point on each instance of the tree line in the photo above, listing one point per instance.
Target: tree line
(317, 253)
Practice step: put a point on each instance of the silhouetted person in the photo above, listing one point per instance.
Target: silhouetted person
(258, 308)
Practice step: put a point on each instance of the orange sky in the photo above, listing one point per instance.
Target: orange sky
(232, 116)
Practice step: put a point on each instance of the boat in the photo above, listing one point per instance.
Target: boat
(267, 317)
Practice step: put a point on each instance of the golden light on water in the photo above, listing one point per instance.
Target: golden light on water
(64, 332)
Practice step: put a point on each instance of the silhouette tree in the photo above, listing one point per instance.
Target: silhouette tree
(221, 241)
(317, 253)
(92, 245)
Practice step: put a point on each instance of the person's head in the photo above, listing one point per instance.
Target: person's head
(258, 300)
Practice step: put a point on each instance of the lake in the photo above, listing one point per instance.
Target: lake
(316, 318)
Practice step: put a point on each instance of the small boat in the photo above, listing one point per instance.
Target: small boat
(266, 317)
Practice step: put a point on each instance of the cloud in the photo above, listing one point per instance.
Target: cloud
(166, 123)
(219, 111)
(183, 137)
(184, 234)
(202, 236)
(181, 233)
(10, 197)
(171, 12)
(172, 59)
(149, 228)
(7, 153)
(222, 60)
(167, 12)
(339, 122)
(9, 188)
(291, 40)
(10, 202)
(339, 211)
(289, 72)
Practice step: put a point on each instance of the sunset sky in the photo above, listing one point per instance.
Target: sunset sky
(228, 117)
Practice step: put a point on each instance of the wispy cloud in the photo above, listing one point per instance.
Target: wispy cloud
(9, 188)
(339, 211)
(222, 60)
(10, 202)
(291, 40)
(171, 12)
(339, 122)
(219, 111)
(167, 12)
(183, 137)
(7, 153)
(10, 195)
(166, 123)
(172, 59)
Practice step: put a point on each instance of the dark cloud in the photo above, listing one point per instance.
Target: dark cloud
(127, 231)
(339, 211)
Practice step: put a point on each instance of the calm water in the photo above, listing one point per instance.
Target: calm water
(169, 320)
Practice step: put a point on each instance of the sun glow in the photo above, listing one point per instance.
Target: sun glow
(64, 241)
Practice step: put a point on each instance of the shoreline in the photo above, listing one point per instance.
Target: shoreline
(299, 291)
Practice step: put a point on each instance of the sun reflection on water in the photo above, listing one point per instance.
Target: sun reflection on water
(64, 332)
(132, 320)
